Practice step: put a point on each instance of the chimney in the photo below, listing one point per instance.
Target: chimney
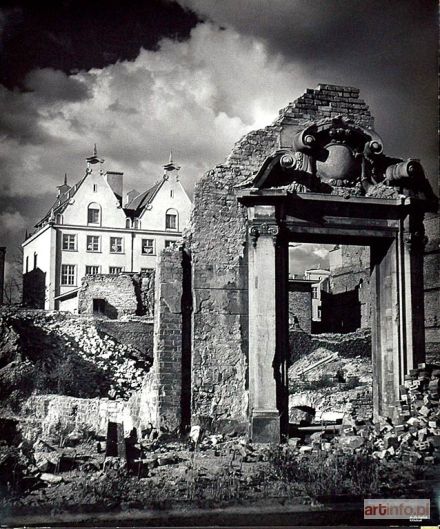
(2, 272)
(115, 181)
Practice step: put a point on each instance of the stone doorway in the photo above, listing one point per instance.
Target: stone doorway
(325, 190)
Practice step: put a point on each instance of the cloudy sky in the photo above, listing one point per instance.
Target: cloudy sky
(140, 77)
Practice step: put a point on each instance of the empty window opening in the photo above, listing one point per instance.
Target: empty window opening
(98, 306)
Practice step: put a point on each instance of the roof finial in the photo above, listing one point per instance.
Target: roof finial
(171, 156)
(95, 152)
(65, 179)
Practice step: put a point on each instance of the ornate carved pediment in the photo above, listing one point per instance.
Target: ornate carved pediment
(338, 156)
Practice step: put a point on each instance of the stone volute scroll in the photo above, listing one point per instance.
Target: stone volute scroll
(339, 157)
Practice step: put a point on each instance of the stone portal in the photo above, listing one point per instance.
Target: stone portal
(334, 185)
(318, 173)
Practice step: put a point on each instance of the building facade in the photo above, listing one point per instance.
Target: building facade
(92, 230)
(321, 282)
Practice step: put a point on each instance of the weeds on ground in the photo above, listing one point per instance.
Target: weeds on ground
(324, 474)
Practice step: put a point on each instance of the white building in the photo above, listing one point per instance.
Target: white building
(321, 278)
(91, 229)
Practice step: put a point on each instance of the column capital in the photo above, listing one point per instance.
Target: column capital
(264, 229)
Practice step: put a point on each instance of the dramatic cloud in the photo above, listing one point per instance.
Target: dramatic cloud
(187, 96)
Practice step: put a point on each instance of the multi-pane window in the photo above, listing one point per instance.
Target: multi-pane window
(93, 214)
(170, 244)
(116, 245)
(114, 270)
(315, 292)
(148, 246)
(69, 241)
(93, 243)
(171, 221)
(92, 270)
(67, 275)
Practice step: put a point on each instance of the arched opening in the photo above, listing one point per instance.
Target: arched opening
(94, 214)
(171, 220)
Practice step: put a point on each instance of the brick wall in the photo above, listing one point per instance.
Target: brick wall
(161, 397)
(218, 247)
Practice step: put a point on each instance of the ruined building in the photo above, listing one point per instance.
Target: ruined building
(92, 229)
(317, 174)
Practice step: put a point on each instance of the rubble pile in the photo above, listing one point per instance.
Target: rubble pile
(413, 437)
(56, 345)
(122, 362)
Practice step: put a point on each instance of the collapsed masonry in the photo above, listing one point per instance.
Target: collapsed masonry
(221, 330)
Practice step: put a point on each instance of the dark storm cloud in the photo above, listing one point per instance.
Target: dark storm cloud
(82, 34)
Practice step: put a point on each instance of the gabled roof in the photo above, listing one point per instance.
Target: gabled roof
(138, 203)
(61, 202)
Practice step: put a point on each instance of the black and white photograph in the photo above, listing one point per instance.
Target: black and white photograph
(219, 263)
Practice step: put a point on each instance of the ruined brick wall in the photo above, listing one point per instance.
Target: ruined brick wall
(160, 401)
(432, 288)
(351, 269)
(118, 292)
(47, 414)
(218, 246)
(300, 304)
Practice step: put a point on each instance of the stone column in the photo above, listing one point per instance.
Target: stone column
(411, 243)
(386, 343)
(264, 415)
(398, 339)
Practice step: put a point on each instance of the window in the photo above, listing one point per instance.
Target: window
(127, 223)
(137, 224)
(115, 270)
(94, 214)
(27, 264)
(68, 275)
(315, 292)
(171, 221)
(170, 244)
(59, 218)
(116, 245)
(35, 260)
(93, 243)
(69, 241)
(148, 246)
(147, 270)
(171, 193)
(95, 187)
(92, 270)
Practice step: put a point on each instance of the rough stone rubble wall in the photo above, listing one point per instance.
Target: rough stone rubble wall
(218, 248)
(124, 294)
(355, 271)
(300, 307)
(432, 288)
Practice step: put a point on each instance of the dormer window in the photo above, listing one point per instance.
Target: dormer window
(171, 219)
(94, 214)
